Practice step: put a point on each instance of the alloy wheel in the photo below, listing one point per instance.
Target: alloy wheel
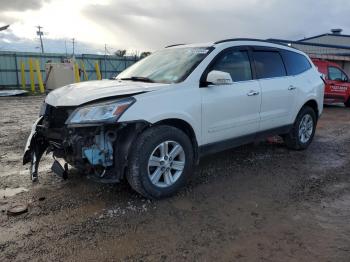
(166, 164)
(306, 128)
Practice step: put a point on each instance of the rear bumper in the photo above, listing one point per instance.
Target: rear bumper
(335, 98)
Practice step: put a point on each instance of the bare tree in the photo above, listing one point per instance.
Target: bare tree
(120, 53)
(144, 54)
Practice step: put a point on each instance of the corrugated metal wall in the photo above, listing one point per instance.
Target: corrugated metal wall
(330, 39)
(10, 66)
(340, 56)
(315, 49)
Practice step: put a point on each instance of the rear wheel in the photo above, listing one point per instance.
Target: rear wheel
(347, 103)
(303, 131)
(161, 162)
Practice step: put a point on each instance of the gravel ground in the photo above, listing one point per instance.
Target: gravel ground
(259, 202)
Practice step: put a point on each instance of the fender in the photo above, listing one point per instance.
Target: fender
(34, 150)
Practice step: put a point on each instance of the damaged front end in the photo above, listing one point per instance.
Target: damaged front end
(88, 138)
(34, 149)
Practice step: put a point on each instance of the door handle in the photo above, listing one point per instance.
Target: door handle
(253, 93)
(291, 87)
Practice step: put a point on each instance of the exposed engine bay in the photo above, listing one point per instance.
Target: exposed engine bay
(98, 150)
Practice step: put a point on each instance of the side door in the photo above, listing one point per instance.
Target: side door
(231, 110)
(278, 92)
(338, 84)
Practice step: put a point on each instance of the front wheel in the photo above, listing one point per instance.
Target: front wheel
(161, 162)
(303, 131)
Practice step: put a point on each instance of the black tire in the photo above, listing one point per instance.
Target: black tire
(292, 139)
(347, 103)
(141, 151)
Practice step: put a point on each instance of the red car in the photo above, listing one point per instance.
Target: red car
(337, 82)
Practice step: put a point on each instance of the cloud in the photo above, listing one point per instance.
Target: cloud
(17, 6)
(5, 19)
(20, 5)
(10, 42)
(153, 24)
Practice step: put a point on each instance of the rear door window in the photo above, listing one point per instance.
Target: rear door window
(236, 63)
(269, 64)
(295, 63)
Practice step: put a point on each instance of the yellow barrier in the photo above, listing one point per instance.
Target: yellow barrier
(84, 71)
(40, 79)
(76, 73)
(98, 73)
(31, 74)
(23, 75)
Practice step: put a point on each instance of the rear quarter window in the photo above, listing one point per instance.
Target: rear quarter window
(269, 64)
(295, 63)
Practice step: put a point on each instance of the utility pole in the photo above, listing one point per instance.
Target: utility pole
(40, 34)
(65, 45)
(73, 41)
(105, 59)
(2, 28)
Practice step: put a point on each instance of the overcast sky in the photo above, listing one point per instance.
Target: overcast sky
(151, 24)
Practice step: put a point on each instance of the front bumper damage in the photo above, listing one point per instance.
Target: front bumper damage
(99, 151)
(34, 149)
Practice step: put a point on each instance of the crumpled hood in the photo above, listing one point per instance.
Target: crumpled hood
(81, 93)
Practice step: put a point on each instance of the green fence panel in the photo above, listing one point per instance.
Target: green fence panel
(10, 65)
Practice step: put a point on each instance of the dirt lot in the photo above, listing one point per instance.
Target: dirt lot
(255, 203)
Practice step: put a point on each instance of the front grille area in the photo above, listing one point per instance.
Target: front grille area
(57, 116)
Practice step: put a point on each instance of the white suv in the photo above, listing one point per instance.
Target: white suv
(155, 120)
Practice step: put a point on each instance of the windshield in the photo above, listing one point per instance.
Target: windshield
(171, 65)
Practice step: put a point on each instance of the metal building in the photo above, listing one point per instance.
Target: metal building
(10, 66)
(333, 46)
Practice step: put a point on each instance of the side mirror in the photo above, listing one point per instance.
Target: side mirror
(219, 78)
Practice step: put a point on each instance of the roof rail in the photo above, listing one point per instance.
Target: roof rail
(174, 45)
(245, 39)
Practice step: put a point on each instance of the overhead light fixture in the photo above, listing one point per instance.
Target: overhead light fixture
(4, 27)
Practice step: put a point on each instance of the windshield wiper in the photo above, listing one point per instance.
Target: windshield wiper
(139, 79)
